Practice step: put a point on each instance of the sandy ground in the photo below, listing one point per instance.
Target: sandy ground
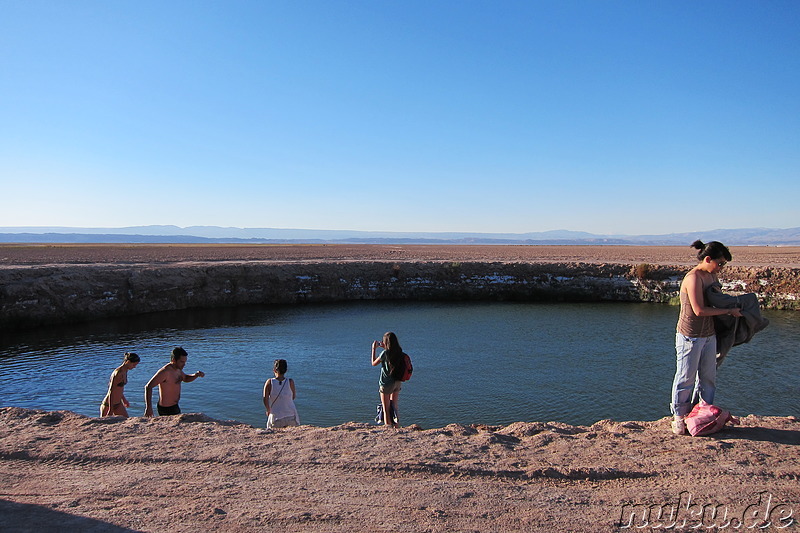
(32, 254)
(61, 471)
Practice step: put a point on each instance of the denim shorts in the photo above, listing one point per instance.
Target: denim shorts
(391, 388)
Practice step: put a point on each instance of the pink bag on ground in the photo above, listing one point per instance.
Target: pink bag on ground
(706, 419)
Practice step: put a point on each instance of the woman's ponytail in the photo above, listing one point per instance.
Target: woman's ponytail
(713, 250)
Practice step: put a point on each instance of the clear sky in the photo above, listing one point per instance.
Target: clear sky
(613, 117)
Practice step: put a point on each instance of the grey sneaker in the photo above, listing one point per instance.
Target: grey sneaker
(679, 426)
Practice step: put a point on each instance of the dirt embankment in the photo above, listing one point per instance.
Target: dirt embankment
(56, 284)
(190, 473)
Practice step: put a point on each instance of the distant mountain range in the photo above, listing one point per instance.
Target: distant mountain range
(216, 234)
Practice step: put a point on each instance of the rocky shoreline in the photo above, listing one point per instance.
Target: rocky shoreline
(34, 294)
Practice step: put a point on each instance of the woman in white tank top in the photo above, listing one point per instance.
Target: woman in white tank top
(279, 395)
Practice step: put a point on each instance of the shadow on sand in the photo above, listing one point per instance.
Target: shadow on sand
(28, 518)
(778, 436)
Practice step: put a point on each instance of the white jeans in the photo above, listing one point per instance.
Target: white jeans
(696, 366)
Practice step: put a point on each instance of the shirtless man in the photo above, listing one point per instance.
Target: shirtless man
(169, 379)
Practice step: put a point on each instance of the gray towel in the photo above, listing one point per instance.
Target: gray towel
(732, 331)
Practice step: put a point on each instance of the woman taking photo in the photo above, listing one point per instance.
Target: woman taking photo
(115, 402)
(392, 366)
(695, 340)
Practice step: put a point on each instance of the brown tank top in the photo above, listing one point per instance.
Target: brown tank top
(689, 324)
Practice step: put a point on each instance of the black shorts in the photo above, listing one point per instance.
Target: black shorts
(167, 411)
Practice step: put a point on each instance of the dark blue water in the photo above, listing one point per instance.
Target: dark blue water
(491, 363)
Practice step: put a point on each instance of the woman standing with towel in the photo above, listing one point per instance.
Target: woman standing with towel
(695, 340)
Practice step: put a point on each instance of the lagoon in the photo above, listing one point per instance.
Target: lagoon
(485, 362)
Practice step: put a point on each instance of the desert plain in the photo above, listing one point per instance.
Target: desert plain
(60, 471)
(40, 254)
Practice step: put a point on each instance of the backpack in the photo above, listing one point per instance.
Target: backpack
(408, 368)
(706, 419)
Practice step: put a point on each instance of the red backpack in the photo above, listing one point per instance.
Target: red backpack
(407, 368)
(706, 419)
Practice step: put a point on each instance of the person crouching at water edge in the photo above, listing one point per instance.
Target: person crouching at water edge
(389, 384)
(281, 411)
(115, 402)
(169, 379)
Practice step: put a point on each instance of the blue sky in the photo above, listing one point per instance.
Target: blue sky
(613, 117)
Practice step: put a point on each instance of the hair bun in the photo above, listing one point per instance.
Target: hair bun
(698, 244)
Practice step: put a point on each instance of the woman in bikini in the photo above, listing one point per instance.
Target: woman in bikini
(115, 402)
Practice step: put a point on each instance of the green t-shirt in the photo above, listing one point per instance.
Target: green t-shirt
(386, 378)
